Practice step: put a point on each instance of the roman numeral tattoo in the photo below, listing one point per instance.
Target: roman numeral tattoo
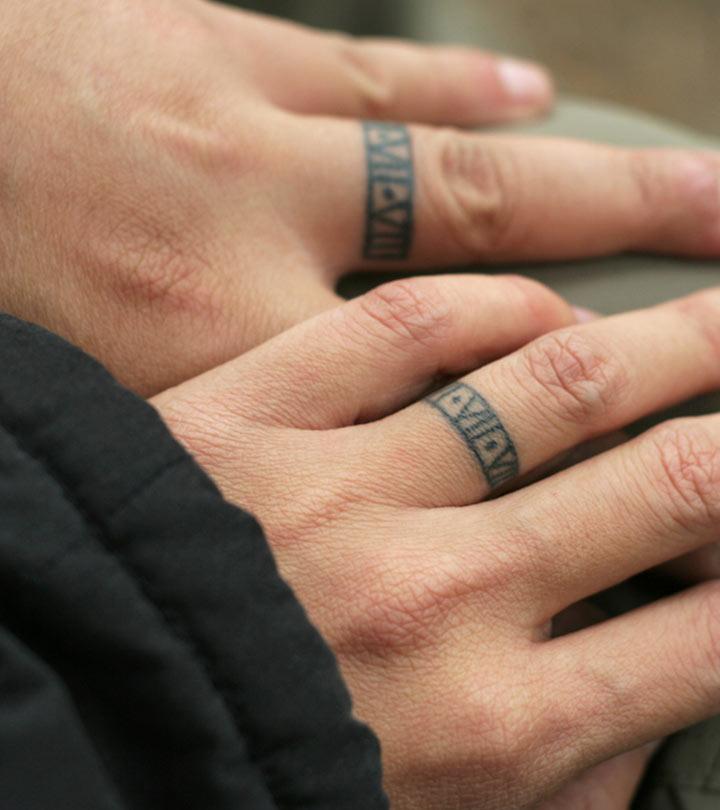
(480, 428)
(389, 219)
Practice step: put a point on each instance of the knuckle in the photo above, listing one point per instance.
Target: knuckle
(373, 88)
(210, 149)
(503, 735)
(207, 142)
(395, 623)
(687, 472)
(152, 264)
(408, 602)
(696, 182)
(391, 618)
(578, 379)
(663, 175)
(514, 728)
(407, 313)
(472, 192)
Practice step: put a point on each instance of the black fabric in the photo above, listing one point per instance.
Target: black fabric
(39, 731)
(150, 655)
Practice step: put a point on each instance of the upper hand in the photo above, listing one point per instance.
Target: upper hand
(438, 601)
(181, 181)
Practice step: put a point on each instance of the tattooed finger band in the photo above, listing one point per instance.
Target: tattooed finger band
(481, 429)
(389, 221)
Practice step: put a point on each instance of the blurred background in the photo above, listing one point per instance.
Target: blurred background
(659, 56)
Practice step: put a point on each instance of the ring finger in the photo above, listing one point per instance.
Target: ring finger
(387, 196)
(561, 390)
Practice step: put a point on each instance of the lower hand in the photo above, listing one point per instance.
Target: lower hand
(438, 600)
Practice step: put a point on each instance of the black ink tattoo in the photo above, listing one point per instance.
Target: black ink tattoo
(389, 219)
(481, 429)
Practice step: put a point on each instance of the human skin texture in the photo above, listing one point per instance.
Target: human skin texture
(377, 444)
(180, 181)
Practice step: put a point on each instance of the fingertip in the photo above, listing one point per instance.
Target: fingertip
(527, 87)
(549, 310)
(585, 315)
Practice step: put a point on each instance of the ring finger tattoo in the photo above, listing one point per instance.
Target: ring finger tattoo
(479, 426)
(389, 217)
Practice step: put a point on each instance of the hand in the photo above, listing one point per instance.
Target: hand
(182, 181)
(439, 606)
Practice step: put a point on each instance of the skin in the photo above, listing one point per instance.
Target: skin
(196, 176)
(437, 599)
(173, 247)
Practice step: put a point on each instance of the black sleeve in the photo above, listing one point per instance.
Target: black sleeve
(150, 655)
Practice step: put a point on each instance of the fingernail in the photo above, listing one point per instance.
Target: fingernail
(585, 315)
(525, 84)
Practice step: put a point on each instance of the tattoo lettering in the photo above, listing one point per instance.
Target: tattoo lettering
(481, 429)
(389, 219)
